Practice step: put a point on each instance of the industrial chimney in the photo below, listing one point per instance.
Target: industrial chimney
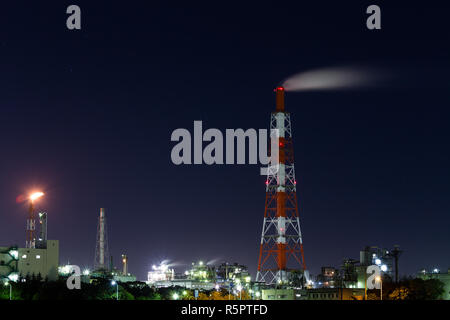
(101, 248)
(125, 264)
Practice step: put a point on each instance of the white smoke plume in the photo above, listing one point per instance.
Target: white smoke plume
(335, 78)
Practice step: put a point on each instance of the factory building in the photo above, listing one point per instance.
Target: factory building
(441, 276)
(232, 272)
(313, 294)
(201, 276)
(335, 294)
(328, 277)
(354, 272)
(18, 263)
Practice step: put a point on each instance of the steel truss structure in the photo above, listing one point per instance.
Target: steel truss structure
(281, 247)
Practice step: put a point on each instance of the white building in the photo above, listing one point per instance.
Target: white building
(21, 262)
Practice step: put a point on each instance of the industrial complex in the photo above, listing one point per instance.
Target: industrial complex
(282, 272)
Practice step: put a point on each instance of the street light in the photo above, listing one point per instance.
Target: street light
(239, 288)
(378, 279)
(114, 283)
(10, 289)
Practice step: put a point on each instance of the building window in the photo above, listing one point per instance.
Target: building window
(38, 256)
(24, 256)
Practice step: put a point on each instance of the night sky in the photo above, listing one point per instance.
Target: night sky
(87, 116)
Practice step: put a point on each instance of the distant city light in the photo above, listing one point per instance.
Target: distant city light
(86, 272)
(384, 268)
(175, 296)
(435, 270)
(377, 262)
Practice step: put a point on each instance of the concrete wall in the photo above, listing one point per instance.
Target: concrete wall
(278, 294)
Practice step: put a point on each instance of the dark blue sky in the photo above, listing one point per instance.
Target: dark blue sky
(87, 116)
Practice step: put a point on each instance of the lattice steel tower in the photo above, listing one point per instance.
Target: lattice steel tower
(281, 248)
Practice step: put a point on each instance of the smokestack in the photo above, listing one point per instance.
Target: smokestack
(125, 264)
(279, 99)
(102, 237)
(42, 243)
(101, 247)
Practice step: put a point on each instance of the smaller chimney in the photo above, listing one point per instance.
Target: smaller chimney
(125, 264)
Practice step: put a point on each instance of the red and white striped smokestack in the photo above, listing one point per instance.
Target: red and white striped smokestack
(279, 99)
(283, 244)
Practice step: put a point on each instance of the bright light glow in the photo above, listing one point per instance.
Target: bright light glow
(175, 296)
(239, 288)
(378, 279)
(36, 195)
(377, 262)
(184, 292)
(257, 294)
(248, 279)
(13, 277)
(384, 268)
(113, 283)
(14, 254)
(200, 263)
(161, 272)
(436, 270)
(24, 256)
(38, 256)
(65, 269)
(217, 287)
(86, 272)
